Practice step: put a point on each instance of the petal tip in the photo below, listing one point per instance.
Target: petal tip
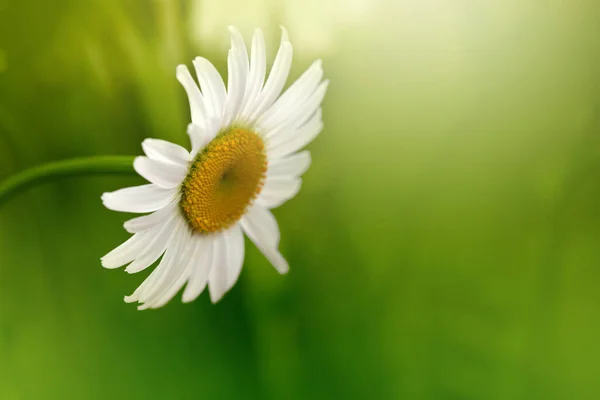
(281, 264)
(258, 32)
(200, 61)
(149, 141)
(192, 128)
(182, 72)
(283, 269)
(285, 37)
(186, 299)
(215, 297)
(127, 227)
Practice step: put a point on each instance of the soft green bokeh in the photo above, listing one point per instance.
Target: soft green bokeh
(445, 245)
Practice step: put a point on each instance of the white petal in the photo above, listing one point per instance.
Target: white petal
(256, 77)
(155, 247)
(161, 150)
(176, 287)
(291, 141)
(293, 98)
(284, 34)
(237, 64)
(138, 199)
(195, 99)
(235, 254)
(198, 138)
(149, 221)
(304, 113)
(200, 265)
(276, 259)
(278, 190)
(276, 80)
(291, 166)
(297, 116)
(265, 220)
(224, 274)
(217, 277)
(214, 127)
(261, 227)
(170, 257)
(174, 276)
(212, 86)
(165, 175)
(237, 42)
(229, 253)
(235, 87)
(127, 251)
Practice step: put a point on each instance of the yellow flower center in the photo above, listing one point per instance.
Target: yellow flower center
(223, 180)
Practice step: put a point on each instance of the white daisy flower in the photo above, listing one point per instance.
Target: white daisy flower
(244, 161)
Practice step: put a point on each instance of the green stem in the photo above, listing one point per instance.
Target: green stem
(94, 165)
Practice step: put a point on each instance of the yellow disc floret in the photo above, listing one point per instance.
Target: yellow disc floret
(223, 180)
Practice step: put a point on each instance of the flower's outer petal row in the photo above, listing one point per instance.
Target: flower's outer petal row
(237, 65)
(296, 116)
(174, 247)
(275, 82)
(294, 101)
(213, 87)
(292, 128)
(150, 221)
(260, 226)
(138, 199)
(167, 152)
(237, 42)
(199, 265)
(197, 138)
(127, 251)
(290, 167)
(175, 275)
(278, 190)
(155, 247)
(229, 258)
(139, 247)
(256, 75)
(197, 107)
(235, 88)
(182, 277)
(287, 129)
(290, 141)
(164, 175)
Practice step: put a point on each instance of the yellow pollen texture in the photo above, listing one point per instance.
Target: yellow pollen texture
(223, 180)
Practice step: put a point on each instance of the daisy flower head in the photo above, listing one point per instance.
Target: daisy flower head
(245, 159)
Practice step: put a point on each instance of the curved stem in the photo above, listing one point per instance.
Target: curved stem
(94, 165)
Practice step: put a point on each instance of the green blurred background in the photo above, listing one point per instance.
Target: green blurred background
(445, 245)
